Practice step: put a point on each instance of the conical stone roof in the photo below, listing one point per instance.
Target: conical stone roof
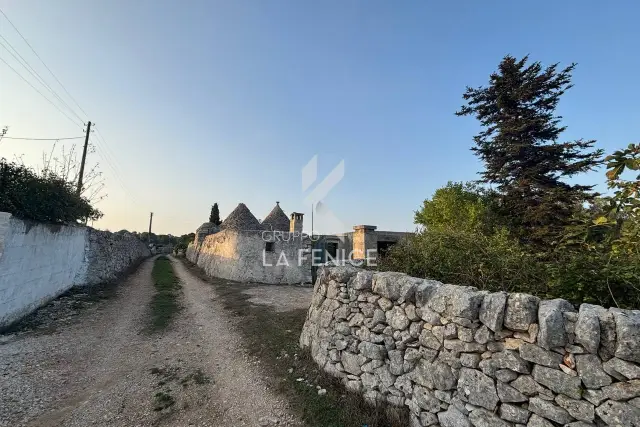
(277, 220)
(241, 218)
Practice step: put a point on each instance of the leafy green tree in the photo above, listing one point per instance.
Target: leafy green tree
(459, 206)
(519, 147)
(214, 216)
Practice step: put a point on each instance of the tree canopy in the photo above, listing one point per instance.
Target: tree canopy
(519, 146)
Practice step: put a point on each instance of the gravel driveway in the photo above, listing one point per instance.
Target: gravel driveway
(102, 370)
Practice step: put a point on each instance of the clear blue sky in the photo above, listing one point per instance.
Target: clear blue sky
(203, 101)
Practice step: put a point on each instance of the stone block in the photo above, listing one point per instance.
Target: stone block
(492, 310)
(590, 370)
(477, 388)
(627, 334)
(397, 287)
(458, 301)
(578, 409)
(540, 356)
(551, 322)
(558, 381)
(549, 410)
(513, 413)
(521, 311)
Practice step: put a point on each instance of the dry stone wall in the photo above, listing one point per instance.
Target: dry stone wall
(38, 262)
(460, 357)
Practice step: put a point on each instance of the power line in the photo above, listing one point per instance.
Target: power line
(43, 63)
(41, 94)
(20, 59)
(44, 139)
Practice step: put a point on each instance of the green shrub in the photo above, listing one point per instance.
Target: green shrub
(47, 198)
(499, 262)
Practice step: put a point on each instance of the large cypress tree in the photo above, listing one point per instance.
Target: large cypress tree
(214, 216)
(519, 146)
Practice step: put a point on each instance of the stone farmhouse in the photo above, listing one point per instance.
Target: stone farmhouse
(276, 251)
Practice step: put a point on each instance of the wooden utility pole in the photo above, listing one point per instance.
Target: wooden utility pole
(84, 158)
(149, 236)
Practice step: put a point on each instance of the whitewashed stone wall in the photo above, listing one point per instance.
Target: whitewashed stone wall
(38, 262)
(457, 356)
(241, 256)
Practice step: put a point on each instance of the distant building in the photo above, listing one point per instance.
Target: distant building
(245, 250)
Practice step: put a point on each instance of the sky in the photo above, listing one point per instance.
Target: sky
(205, 101)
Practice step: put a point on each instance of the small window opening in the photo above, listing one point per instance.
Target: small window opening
(268, 246)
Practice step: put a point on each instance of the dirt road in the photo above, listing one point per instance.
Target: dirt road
(103, 370)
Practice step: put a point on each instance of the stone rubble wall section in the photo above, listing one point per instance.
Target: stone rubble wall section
(460, 357)
(38, 262)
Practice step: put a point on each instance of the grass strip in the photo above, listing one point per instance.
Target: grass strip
(165, 303)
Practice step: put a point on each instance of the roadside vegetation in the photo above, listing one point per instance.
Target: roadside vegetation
(47, 196)
(272, 336)
(165, 304)
(526, 225)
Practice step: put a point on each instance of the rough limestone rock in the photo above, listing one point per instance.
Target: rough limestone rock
(627, 334)
(619, 414)
(509, 394)
(551, 322)
(549, 410)
(590, 370)
(484, 418)
(506, 375)
(509, 359)
(428, 419)
(578, 409)
(352, 363)
(397, 319)
(521, 311)
(621, 369)
(452, 417)
(540, 356)
(362, 281)
(424, 290)
(483, 335)
(538, 421)
(587, 331)
(342, 273)
(622, 391)
(372, 351)
(429, 340)
(514, 413)
(425, 399)
(395, 286)
(558, 381)
(492, 310)
(457, 301)
(477, 388)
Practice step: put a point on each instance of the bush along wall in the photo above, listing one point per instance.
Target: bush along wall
(457, 356)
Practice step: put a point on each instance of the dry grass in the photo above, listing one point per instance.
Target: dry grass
(273, 336)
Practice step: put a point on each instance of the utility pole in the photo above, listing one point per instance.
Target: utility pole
(84, 158)
(149, 237)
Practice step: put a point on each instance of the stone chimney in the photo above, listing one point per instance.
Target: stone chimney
(364, 238)
(296, 222)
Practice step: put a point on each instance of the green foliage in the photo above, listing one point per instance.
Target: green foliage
(48, 198)
(518, 145)
(165, 302)
(595, 259)
(214, 216)
(466, 257)
(459, 206)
